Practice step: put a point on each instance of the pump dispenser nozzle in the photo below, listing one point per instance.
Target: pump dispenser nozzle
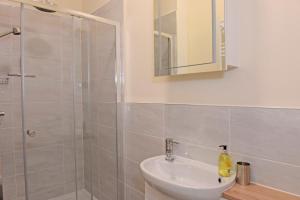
(224, 147)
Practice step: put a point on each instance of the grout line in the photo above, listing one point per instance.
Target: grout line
(229, 128)
(218, 105)
(135, 190)
(268, 160)
(105, 126)
(164, 116)
(183, 141)
(264, 159)
(143, 134)
(130, 160)
(60, 144)
(124, 116)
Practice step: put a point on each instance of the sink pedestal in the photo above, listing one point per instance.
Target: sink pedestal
(152, 193)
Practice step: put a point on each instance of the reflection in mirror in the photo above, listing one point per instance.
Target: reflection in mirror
(189, 36)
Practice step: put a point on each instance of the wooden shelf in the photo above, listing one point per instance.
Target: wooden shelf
(256, 192)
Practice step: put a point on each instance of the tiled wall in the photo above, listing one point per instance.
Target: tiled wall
(144, 138)
(113, 10)
(48, 106)
(107, 139)
(267, 138)
(100, 133)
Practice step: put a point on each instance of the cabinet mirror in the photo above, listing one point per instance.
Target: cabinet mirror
(189, 36)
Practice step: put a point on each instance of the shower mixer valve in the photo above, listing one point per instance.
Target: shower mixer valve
(31, 133)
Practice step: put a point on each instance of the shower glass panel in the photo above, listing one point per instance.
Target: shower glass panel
(60, 105)
(49, 105)
(11, 168)
(100, 109)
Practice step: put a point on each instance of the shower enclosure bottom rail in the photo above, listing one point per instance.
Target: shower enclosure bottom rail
(82, 195)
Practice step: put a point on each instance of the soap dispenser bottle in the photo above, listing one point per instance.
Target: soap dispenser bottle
(225, 162)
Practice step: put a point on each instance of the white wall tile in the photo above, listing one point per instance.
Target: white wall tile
(49, 89)
(6, 140)
(109, 187)
(267, 138)
(201, 125)
(43, 68)
(7, 165)
(195, 152)
(273, 174)
(266, 133)
(147, 119)
(9, 188)
(133, 176)
(139, 147)
(107, 114)
(132, 194)
(108, 139)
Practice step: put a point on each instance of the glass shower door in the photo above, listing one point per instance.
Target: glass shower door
(69, 107)
(99, 63)
(59, 132)
(53, 162)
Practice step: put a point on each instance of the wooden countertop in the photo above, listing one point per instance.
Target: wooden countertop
(256, 192)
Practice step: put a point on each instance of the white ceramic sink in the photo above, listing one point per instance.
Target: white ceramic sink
(185, 179)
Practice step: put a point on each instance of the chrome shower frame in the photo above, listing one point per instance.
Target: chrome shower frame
(119, 75)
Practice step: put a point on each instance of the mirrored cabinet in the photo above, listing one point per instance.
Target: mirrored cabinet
(189, 36)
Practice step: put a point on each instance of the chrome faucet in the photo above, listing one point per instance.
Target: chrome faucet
(169, 149)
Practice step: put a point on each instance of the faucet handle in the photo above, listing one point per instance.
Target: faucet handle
(170, 141)
(169, 148)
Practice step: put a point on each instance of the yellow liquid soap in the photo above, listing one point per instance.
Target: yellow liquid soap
(225, 163)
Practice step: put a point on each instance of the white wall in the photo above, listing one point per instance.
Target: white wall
(269, 62)
(90, 6)
(71, 4)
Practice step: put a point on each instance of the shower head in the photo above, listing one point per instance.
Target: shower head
(45, 10)
(14, 31)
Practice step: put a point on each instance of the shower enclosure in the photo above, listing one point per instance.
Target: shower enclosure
(59, 80)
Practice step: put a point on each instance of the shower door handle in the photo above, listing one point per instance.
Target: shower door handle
(19, 75)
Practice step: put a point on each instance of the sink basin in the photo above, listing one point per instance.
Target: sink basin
(185, 179)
